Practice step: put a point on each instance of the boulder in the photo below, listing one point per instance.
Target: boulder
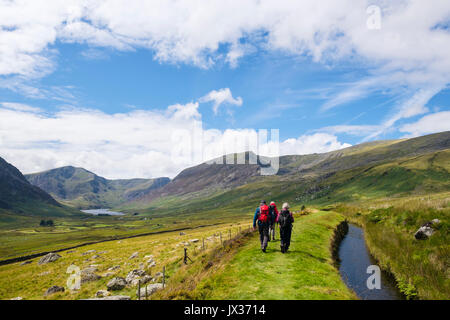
(134, 276)
(53, 290)
(151, 289)
(117, 283)
(424, 232)
(102, 293)
(88, 275)
(182, 233)
(111, 298)
(113, 268)
(134, 255)
(51, 257)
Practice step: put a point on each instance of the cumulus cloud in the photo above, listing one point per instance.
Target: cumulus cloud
(435, 122)
(140, 143)
(219, 97)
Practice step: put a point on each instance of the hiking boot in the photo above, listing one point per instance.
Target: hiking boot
(264, 250)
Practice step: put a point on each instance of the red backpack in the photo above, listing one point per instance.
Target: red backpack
(264, 213)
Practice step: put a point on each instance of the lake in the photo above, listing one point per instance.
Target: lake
(96, 212)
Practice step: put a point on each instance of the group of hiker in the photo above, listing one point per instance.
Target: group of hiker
(267, 217)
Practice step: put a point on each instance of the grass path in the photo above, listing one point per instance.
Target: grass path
(305, 272)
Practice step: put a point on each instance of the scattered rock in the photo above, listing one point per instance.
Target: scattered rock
(44, 273)
(137, 275)
(134, 255)
(117, 283)
(96, 256)
(102, 252)
(194, 240)
(149, 256)
(53, 290)
(158, 275)
(113, 268)
(111, 298)
(436, 221)
(102, 293)
(108, 274)
(88, 275)
(424, 232)
(182, 234)
(151, 289)
(26, 262)
(88, 252)
(151, 264)
(51, 257)
(17, 298)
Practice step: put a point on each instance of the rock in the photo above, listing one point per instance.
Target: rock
(117, 283)
(96, 256)
(53, 290)
(111, 298)
(113, 268)
(102, 293)
(88, 275)
(151, 289)
(134, 255)
(194, 240)
(51, 257)
(435, 221)
(90, 269)
(134, 276)
(44, 273)
(152, 264)
(88, 252)
(158, 275)
(182, 234)
(424, 232)
(149, 256)
(108, 274)
(26, 262)
(16, 298)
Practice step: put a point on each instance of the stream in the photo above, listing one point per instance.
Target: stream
(355, 258)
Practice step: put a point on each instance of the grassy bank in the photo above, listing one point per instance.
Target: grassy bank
(421, 267)
(244, 272)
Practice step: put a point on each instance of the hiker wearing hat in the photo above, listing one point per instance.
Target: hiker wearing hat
(285, 220)
(262, 215)
(274, 215)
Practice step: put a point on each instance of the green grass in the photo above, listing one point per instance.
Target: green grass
(306, 272)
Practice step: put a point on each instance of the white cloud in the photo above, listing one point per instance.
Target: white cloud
(125, 145)
(219, 97)
(435, 122)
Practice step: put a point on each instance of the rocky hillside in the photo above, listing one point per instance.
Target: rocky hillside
(312, 175)
(83, 189)
(17, 195)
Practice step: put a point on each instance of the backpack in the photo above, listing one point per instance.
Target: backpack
(284, 218)
(263, 213)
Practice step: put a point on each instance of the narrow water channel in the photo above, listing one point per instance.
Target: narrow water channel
(355, 258)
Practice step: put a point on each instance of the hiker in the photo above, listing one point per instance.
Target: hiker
(262, 215)
(285, 220)
(274, 215)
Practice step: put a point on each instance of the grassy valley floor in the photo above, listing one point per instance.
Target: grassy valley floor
(305, 272)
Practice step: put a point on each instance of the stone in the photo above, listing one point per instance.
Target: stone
(194, 240)
(111, 298)
(51, 257)
(182, 233)
(26, 262)
(436, 221)
(88, 275)
(134, 255)
(53, 290)
(424, 232)
(88, 252)
(113, 268)
(152, 264)
(137, 275)
(151, 289)
(17, 298)
(102, 293)
(158, 275)
(117, 283)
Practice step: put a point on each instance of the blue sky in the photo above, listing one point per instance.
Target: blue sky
(326, 81)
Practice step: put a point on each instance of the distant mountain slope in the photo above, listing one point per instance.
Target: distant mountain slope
(303, 177)
(83, 189)
(17, 195)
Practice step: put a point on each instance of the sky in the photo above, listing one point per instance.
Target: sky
(145, 89)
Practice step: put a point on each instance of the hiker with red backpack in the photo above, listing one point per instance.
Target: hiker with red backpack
(285, 220)
(262, 215)
(274, 214)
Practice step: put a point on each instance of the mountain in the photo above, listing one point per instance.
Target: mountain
(17, 195)
(381, 168)
(83, 189)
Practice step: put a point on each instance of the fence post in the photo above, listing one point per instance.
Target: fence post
(139, 289)
(203, 244)
(164, 276)
(185, 255)
(221, 238)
